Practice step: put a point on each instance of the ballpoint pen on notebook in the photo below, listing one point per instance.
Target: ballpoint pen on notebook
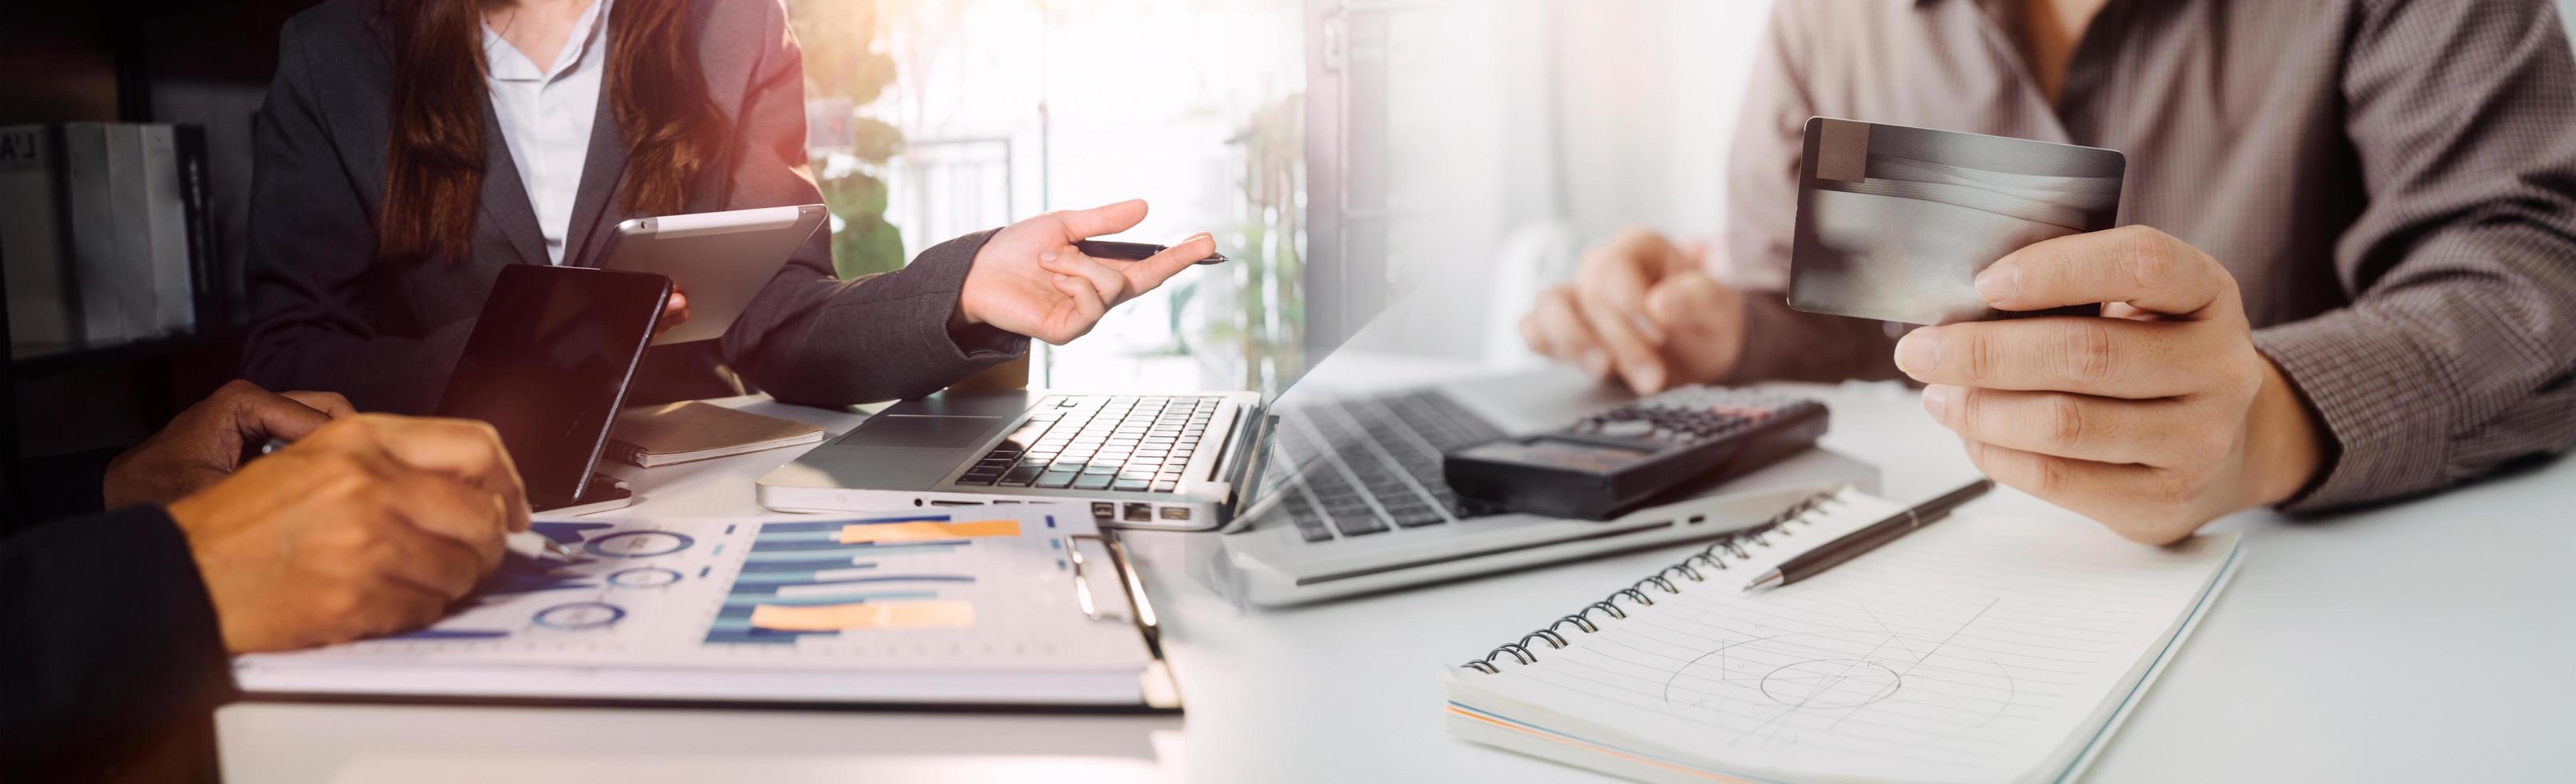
(1853, 544)
(522, 542)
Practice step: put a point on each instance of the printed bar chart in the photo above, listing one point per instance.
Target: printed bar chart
(804, 577)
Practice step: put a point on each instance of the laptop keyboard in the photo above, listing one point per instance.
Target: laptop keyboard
(1372, 465)
(1099, 442)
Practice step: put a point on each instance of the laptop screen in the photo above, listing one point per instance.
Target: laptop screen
(548, 364)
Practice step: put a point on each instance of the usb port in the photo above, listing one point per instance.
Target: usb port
(1104, 510)
(1140, 513)
(1176, 513)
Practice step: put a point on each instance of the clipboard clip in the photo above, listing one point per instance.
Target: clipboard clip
(1142, 615)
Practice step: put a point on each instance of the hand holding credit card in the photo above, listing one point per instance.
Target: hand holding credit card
(1894, 223)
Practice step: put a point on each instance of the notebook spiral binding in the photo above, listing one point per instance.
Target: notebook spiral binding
(1734, 545)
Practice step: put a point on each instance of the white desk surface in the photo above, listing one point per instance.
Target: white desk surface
(2425, 640)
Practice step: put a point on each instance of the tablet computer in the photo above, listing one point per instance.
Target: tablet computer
(720, 260)
(548, 365)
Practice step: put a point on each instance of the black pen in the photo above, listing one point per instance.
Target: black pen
(1133, 251)
(1851, 545)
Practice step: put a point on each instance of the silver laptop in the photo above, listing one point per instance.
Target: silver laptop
(1172, 462)
(1354, 503)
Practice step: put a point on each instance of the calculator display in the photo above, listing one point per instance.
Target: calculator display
(1576, 455)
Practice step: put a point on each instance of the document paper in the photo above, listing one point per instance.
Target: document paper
(1977, 649)
(790, 607)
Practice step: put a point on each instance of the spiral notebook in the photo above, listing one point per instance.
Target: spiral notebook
(1983, 648)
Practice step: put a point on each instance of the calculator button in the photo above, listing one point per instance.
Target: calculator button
(1629, 428)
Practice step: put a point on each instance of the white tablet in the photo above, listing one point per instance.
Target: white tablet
(719, 259)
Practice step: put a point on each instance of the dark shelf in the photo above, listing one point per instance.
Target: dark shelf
(91, 356)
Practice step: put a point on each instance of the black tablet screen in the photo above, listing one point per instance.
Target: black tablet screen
(548, 364)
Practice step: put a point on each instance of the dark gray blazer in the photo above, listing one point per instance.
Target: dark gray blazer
(330, 315)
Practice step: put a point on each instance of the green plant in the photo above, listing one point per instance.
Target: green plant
(1263, 325)
(842, 61)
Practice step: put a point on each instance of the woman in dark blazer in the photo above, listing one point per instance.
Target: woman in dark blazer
(386, 201)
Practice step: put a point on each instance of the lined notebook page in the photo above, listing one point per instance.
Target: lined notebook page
(1981, 648)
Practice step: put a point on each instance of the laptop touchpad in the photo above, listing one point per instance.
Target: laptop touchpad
(939, 432)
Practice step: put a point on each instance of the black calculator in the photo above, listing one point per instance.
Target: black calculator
(1615, 461)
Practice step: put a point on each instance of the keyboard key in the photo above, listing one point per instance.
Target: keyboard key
(1166, 486)
(1021, 476)
(1416, 515)
(1131, 484)
(1358, 525)
(1092, 482)
(1057, 479)
(977, 479)
(1102, 469)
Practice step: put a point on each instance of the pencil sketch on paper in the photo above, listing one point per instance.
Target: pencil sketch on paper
(1903, 685)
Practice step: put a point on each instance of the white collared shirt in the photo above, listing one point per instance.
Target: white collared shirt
(546, 115)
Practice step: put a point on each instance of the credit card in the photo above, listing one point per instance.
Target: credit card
(1894, 222)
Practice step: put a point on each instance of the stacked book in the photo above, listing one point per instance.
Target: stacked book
(104, 233)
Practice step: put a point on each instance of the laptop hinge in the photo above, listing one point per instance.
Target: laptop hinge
(1251, 453)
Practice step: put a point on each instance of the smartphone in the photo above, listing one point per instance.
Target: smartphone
(548, 365)
(1134, 251)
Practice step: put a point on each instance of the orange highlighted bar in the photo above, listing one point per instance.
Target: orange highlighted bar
(864, 615)
(916, 531)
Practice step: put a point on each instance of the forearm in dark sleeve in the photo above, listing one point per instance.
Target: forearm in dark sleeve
(1790, 345)
(111, 639)
(1762, 183)
(43, 489)
(883, 336)
(2458, 350)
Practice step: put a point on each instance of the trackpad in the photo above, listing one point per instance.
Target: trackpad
(938, 432)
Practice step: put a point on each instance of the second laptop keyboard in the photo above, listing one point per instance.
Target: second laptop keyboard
(1372, 465)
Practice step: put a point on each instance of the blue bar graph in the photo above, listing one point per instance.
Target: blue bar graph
(814, 578)
(813, 565)
(764, 545)
(803, 558)
(746, 601)
(811, 526)
(452, 634)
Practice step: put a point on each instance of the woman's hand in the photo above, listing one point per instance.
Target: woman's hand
(675, 312)
(1029, 280)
